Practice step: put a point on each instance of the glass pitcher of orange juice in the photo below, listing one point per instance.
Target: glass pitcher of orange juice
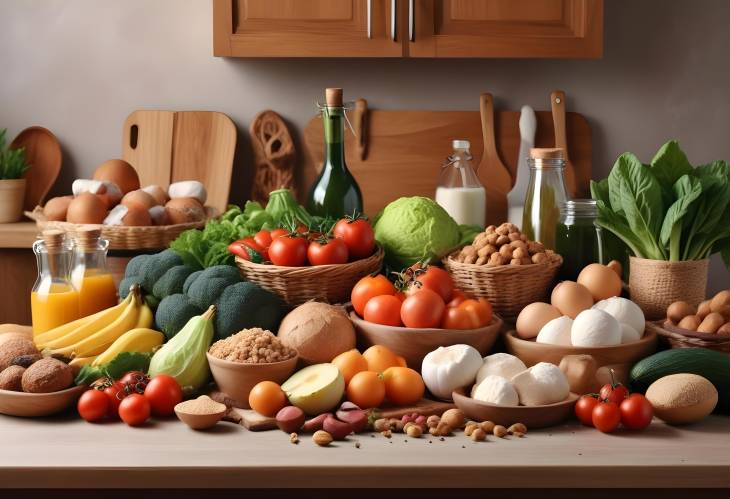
(90, 275)
(54, 300)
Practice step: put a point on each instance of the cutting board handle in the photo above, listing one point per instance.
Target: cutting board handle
(486, 110)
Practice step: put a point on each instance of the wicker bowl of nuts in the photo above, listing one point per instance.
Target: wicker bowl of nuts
(505, 267)
(241, 361)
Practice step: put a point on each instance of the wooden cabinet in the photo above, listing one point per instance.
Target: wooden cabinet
(408, 28)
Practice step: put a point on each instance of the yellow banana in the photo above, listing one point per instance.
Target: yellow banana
(146, 317)
(102, 339)
(79, 362)
(136, 340)
(97, 322)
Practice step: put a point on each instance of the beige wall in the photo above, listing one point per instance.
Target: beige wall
(79, 67)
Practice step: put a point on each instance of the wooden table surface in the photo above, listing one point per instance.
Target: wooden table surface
(65, 452)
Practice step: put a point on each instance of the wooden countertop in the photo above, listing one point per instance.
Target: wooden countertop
(65, 452)
(18, 235)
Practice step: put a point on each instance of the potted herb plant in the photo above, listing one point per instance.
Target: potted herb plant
(12, 184)
(673, 217)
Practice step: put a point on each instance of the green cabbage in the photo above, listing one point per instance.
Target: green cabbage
(183, 357)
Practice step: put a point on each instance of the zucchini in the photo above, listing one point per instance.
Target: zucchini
(715, 366)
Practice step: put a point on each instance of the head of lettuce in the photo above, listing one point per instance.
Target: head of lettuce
(417, 229)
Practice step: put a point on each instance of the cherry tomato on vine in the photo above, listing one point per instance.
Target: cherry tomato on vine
(615, 393)
(358, 235)
(422, 309)
(383, 309)
(368, 287)
(163, 393)
(636, 412)
(116, 392)
(584, 409)
(606, 416)
(433, 278)
(134, 381)
(134, 409)
(288, 251)
(93, 405)
(327, 252)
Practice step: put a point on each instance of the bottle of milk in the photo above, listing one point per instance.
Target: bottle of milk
(459, 190)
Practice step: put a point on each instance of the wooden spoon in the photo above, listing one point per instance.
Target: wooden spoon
(43, 153)
(557, 103)
(492, 172)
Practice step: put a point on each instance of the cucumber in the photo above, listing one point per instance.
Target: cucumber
(715, 366)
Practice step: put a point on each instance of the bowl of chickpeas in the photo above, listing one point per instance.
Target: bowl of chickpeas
(504, 266)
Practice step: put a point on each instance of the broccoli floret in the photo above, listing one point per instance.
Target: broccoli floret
(209, 285)
(173, 313)
(246, 305)
(172, 281)
(153, 268)
(126, 283)
(152, 301)
(135, 264)
(190, 280)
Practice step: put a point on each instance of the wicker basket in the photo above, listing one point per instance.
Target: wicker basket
(509, 288)
(126, 238)
(296, 285)
(656, 284)
(684, 338)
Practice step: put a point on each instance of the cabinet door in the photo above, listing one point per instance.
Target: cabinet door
(506, 28)
(311, 28)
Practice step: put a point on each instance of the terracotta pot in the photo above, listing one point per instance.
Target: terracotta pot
(656, 284)
(12, 195)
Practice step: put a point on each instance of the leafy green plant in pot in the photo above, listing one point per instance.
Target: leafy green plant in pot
(12, 184)
(673, 217)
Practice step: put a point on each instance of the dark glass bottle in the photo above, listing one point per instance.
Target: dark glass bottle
(335, 192)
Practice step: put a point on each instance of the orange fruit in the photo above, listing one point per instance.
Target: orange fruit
(380, 358)
(403, 386)
(267, 398)
(366, 389)
(350, 363)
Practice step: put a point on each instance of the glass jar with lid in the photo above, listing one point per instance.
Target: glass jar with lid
(459, 191)
(545, 193)
(90, 275)
(578, 239)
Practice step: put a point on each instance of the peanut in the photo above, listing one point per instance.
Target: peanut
(505, 251)
(470, 427)
(539, 258)
(502, 240)
(322, 438)
(515, 261)
(518, 434)
(519, 253)
(492, 239)
(294, 438)
(386, 433)
(381, 424)
(433, 430)
(514, 236)
(478, 435)
(490, 229)
(499, 431)
(414, 431)
(487, 426)
(443, 429)
(454, 418)
(517, 427)
(432, 421)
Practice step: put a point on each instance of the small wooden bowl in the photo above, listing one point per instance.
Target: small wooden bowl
(539, 416)
(530, 352)
(236, 379)
(31, 405)
(413, 344)
(200, 421)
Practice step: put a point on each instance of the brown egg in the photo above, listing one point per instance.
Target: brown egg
(724, 329)
(136, 216)
(533, 317)
(184, 210)
(601, 281)
(703, 309)
(120, 172)
(158, 193)
(720, 300)
(140, 198)
(571, 298)
(86, 208)
(56, 208)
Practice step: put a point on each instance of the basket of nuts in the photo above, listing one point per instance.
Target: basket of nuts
(506, 268)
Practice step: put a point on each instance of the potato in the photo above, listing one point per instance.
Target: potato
(691, 322)
(721, 300)
(679, 310)
(703, 309)
(711, 323)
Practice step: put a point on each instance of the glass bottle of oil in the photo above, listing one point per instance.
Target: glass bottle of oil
(546, 192)
(90, 275)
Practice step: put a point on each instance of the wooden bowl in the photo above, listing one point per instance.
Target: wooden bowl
(413, 343)
(31, 405)
(236, 379)
(530, 352)
(200, 421)
(538, 416)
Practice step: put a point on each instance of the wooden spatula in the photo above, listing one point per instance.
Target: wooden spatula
(43, 153)
(492, 172)
(557, 103)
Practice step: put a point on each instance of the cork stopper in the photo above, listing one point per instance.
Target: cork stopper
(53, 239)
(333, 97)
(87, 238)
(547, 153)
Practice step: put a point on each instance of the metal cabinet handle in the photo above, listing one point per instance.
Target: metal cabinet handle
(411, 20)
(393, 23)
(370, 18)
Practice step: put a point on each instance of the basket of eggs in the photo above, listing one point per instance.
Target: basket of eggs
(505, 267)
(705, 326)
(130, 217)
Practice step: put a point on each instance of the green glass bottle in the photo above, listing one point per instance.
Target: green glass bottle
(335, 192)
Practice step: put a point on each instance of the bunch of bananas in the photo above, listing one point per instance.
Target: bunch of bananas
(98, 338)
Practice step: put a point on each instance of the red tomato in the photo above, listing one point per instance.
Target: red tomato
(470, 314)
(383, 309)
(263, 238)
(278, 233)
(422, 309)
(358, 235)
(636, 412)
(115, 392)
(366, 288)
(327, 253)
(615, 393)
(93, 405)
(135, 381)
(584, 409)
(457, 297)
(248, 249)
(134, 409)
(163, 393)
(433, 278)
(288, 251)
(606, 416)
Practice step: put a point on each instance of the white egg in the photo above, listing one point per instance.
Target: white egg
(625, 311)
(542, 384)
(500, 364)
(495, 390)
(595, 328)
(556, 332)
(628, 333)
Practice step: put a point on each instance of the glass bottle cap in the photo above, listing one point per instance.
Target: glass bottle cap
(460, 144)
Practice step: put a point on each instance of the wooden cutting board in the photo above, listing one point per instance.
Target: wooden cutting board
(169, 146)
(407, 148)
(43, 153)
